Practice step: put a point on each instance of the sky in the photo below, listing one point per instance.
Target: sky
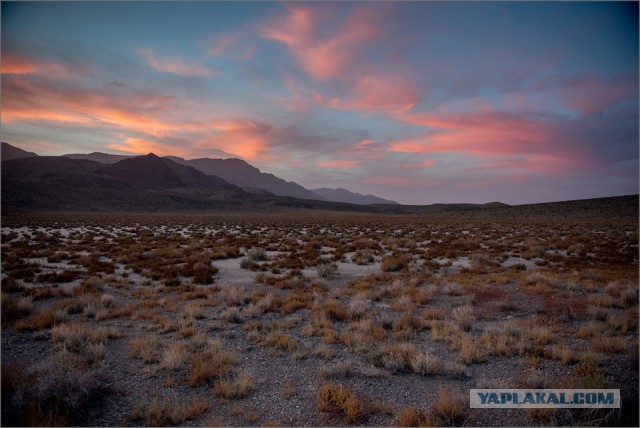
(418, 102)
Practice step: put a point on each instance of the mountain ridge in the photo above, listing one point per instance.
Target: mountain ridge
(344, 195)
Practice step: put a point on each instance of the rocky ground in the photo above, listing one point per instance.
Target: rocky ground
(312, 319)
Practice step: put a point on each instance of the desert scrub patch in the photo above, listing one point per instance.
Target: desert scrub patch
(335, 310)
(147, 348)
(326, 269)
(237, 386)
(213, 362)
(450, 407)
(42, 320)
(363, 257)
(395, 262)
(193, 310)
(464, 316)
(174, 356)
(426, 363)
(203, 272)
(609, 345)
(332, 395)
(14, 308)
(167, 409)
(395, 356)
(280, 340)
(412, 416)
(93, 284)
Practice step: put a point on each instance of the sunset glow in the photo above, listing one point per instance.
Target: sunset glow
(419, 102)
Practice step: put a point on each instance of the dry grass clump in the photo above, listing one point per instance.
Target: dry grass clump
(194, 310)
(233, 314)
(396, 356)
(173, 357)
(236, 387)
(93, 284)
(359, 306)
(609, 345)
(335, 310)
(42, 320)
(412, 416)
(471, 351)
(464, 316)
(394, 263)
(203, 272)
(326, 270)
(280, 340)
(363, 257)
(14, 308)
(146, 348)
(425, 363)
(335, 396)
(213, 362)
(168, 410)
(450, 407)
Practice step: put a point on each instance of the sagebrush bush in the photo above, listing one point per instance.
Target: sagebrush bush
(236, 387)
(334, 395)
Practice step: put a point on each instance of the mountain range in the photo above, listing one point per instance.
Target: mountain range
(251, 179)
(151, 183)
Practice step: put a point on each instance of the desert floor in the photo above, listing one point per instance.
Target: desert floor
(312, 319)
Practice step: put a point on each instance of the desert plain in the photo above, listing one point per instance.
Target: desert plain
(312, 318)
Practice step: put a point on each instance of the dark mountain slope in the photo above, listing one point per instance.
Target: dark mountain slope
(154, 173)
(11, 152)
(147, 183)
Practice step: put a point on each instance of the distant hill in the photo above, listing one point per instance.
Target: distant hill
(99, 157)
(343, 195)
(11, 152)
(242, 174)
(614, 207)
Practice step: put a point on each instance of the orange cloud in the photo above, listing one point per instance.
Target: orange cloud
(338, 164)
(31, 100)
(174, 65)
(142, 146)
(16, 63)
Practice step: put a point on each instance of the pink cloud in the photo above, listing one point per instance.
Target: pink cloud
(339, 164)
(332, 53)
(481, 134)
(593, 95)
(375, 92)
(174, 65)
(232, 46)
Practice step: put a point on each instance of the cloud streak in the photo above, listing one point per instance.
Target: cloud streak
(174, 65)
